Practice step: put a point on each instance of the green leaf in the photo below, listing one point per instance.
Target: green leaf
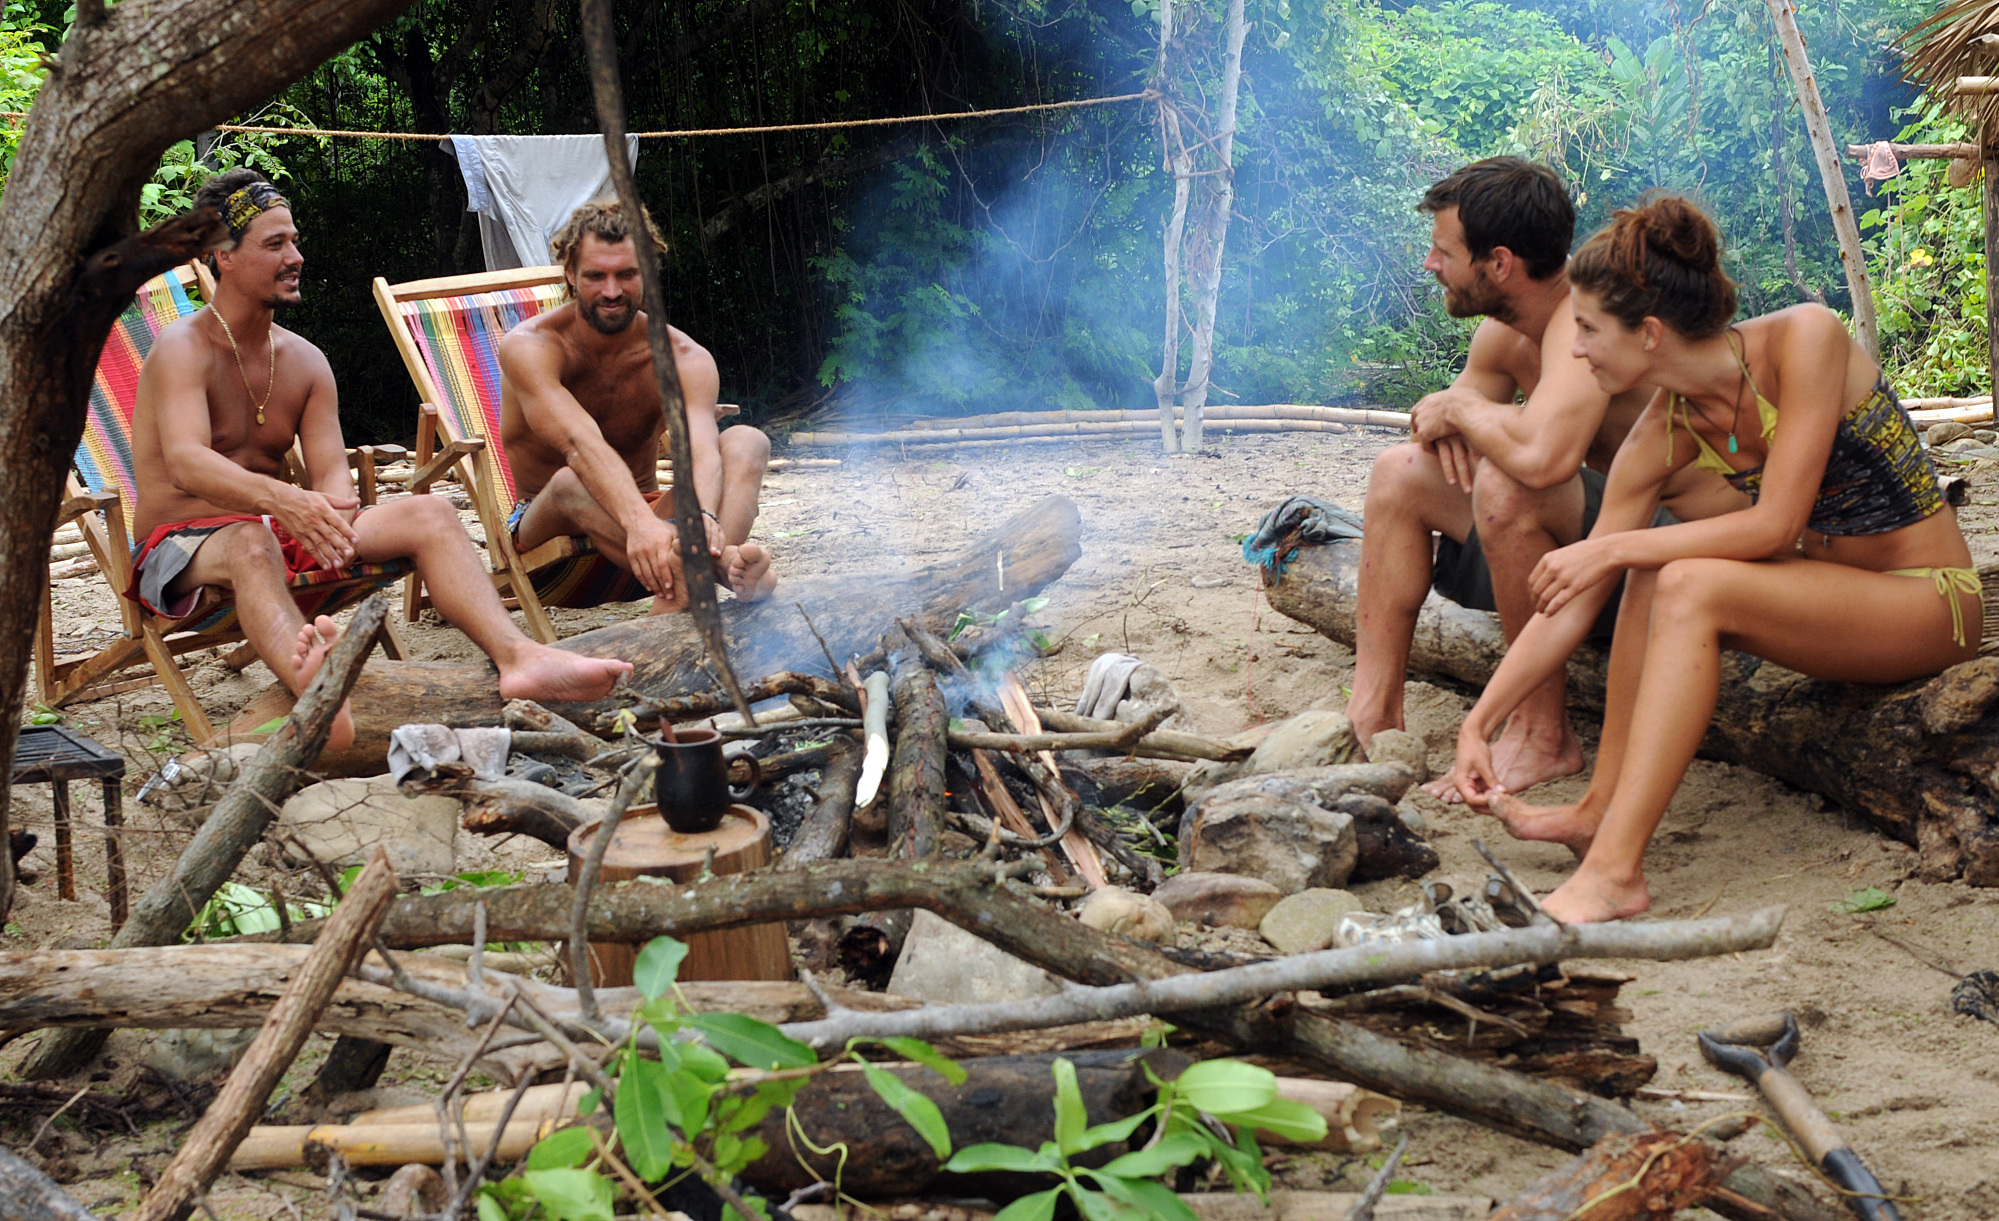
(1169, 1154)
(1223, 1087)
(571, 1195)
(1872, 899)
(1155, 1200)
(658, 966)
(688, 1096)
(1038, 1207)
(1120, 1129)
(643, 1108)
(273, 725)
(926, 1055)
(769, 1096)
(976, 1159)
(1294, 1121)
(1070, 1117)
(751, 1042)
(1030, 605)
(703, 1062)
(588, 1104)
(561, 1150)
(490, 1209)
(1407, 1187)
(921, 1113)
(1096, 1206)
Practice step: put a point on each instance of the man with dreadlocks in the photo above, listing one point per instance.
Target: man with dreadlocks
(224, 395)
(580, 417)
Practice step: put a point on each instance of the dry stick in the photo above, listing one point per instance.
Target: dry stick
(1129, 740)
(235, 1110)
(447, 1120)
(636, 776)
(697, 567)
(1308, 972)
(26, 1194)
(823, 834)
(476, 1173)
(238, 821)
(1363, 1208)
(1171, 744)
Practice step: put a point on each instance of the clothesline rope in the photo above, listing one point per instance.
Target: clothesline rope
(704, 131)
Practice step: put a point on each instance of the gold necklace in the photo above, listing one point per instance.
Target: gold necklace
(270, 387)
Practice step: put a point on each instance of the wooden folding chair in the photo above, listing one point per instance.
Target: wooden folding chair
(95, 498)
(448, 331)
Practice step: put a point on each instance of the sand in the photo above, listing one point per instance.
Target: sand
(1915, 1087)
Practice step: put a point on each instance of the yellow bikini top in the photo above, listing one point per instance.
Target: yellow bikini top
(1708, 459)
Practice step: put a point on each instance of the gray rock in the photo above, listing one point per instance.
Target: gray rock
(1964, 445)
(1290, 843)
(342, 821)
(1308, 920)
(198, 1055)
(945, 965)
(1944, 434)
(1310, 739)
(1985, 436)
(1113, 909)
(1225, 900)
(1401, 746)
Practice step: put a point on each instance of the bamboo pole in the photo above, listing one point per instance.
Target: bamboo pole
(1831, 175)
(1920, 152)
(1226, 418)
(1978, 86)
(1252, 411)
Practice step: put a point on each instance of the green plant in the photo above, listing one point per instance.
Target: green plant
(44, 715)
(1227, 1091)
(676, 1108)
(971, 619)
(158, 728)
(235, 910)
(1872, 899)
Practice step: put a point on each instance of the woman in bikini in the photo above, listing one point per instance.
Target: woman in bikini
(1849, 566)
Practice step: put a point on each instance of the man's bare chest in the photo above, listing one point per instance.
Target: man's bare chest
(622, 398)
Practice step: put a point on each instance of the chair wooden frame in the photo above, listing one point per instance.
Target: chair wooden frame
(151, 639)
(468, 458)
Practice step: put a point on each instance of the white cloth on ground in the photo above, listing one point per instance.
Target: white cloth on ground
(424, 747)
(524, 189)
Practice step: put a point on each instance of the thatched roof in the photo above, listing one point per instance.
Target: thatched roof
(1959, 39)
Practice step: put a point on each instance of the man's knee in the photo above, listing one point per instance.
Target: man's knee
(745, 446)
(1502, 505)
(245, 548)
(1401, 473)
(564, 488)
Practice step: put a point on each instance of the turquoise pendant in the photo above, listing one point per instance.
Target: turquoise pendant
(1732, 446)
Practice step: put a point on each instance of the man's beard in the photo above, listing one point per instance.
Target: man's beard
(1480, 298)
(602, 326)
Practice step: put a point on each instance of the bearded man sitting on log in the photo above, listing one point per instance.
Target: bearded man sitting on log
(1497, 482)
(223, 396)
(581, 422)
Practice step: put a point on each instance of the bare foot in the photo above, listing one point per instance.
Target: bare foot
(747, 569)
(1525, 756)
(315, 640)
(541, 673)
(1570, 826)
(1443, 790)
(1589, 898)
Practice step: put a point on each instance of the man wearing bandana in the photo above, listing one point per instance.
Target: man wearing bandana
(224, 394)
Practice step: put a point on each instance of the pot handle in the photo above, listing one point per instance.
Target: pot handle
(756, 775)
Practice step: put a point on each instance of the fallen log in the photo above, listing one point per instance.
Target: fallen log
(513, 807)
(1625, 1178)
(1325, 1206)
(234, 1112)
(1920, 761)
(1015, 561)
(232, 828)
(1005, 1100)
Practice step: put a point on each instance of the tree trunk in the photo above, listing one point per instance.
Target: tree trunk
(1831, 174)
(1916, 760)
(129, 81)
(1205, 255)
(1026, 553)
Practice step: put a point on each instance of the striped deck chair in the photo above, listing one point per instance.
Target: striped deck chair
(448, 331)
(94, 498)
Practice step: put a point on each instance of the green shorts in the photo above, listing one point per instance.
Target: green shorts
(1461, 574)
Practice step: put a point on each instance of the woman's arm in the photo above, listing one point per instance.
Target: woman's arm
(1803, 347)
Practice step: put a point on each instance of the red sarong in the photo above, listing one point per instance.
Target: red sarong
(298, 560)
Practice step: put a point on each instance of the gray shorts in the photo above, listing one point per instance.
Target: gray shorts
(163, 566)
(1462, 575)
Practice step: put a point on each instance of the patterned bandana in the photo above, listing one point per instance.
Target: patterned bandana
(248, 204)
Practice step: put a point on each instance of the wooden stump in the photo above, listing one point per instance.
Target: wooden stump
(1917, 760)
(644, 846)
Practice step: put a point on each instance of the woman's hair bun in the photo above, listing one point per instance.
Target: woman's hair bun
(1662, 259)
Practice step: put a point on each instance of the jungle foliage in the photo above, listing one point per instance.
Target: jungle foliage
(1015, 263)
